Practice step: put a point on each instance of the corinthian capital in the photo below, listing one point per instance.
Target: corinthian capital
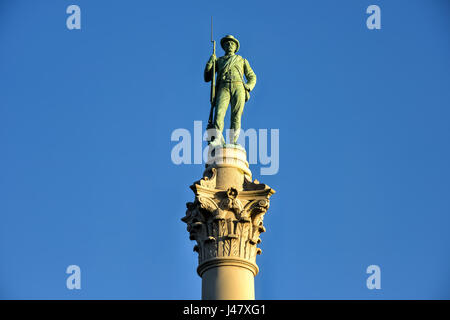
(227, 223)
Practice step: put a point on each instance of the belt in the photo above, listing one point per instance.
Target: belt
(229, 81)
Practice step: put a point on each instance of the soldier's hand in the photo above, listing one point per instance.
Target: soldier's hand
(247, 87)
(213, 57)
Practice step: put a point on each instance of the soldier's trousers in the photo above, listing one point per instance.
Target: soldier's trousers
(230, 93)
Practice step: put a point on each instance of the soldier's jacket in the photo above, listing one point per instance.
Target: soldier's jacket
(231, 69)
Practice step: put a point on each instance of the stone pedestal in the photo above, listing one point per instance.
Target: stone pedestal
(226, 220)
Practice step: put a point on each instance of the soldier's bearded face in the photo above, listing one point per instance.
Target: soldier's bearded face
(230, 46)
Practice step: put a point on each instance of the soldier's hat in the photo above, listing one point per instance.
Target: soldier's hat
(227, 38)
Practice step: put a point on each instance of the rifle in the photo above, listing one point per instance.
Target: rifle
(212, 96)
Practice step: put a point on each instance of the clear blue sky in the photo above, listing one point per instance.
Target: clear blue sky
(86, 118)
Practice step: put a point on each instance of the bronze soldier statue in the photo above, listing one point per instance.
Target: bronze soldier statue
(231, 86)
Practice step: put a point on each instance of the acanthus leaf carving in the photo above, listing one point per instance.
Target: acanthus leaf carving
(209, 179)
(208, 204)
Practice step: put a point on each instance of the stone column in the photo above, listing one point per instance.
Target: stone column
(226, 220)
